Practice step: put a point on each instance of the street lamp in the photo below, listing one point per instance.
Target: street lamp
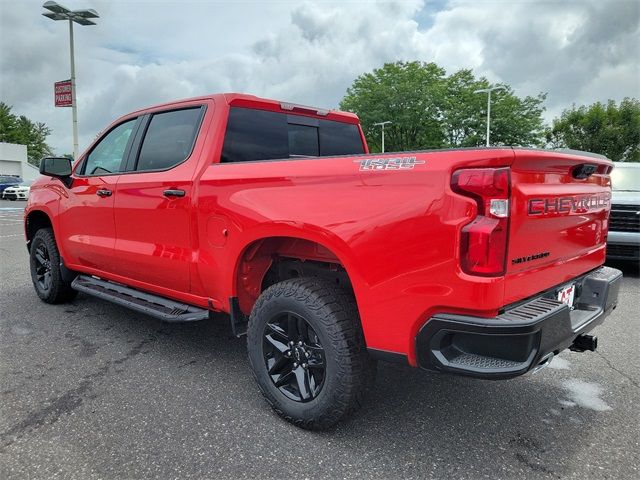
(382, 124)
(81, 17)
(489, 90)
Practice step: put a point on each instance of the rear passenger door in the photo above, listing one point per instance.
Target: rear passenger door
(153, 201)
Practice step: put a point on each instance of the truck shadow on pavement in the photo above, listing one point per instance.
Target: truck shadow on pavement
(413, 423)
(413, 420)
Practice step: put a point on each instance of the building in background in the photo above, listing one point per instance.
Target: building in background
(13, 161)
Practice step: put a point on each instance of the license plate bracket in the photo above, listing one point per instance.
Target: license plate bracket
(567, 294)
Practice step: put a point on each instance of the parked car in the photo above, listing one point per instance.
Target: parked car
(623, 241)
(17, 192)
(9, 181)
(483, 262)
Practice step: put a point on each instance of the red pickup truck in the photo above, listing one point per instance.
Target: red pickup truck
(483, 262)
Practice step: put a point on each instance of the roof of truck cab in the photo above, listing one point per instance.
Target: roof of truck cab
(244, 100)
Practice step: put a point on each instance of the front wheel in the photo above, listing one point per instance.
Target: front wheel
(307, 352)
(45, 269)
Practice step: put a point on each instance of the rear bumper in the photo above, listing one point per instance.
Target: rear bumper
(521, 337)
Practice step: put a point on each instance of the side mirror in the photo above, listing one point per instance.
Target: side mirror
(55, 167)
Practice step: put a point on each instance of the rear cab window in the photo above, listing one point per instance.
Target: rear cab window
(169, 139)
(254, 135)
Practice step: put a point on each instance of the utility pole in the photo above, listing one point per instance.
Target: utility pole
(382, 124)
(489, 90)
(81, 17)
(74, 104)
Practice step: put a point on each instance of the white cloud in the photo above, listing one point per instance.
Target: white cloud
(148, 52)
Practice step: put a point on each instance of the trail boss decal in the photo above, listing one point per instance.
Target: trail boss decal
(396, 163)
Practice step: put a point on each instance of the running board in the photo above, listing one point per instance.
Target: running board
(153, 305)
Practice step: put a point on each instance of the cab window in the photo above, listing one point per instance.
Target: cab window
(107, 156)
(263, 135)
(169, 139)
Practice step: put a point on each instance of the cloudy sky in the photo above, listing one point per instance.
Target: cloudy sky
(145, 52)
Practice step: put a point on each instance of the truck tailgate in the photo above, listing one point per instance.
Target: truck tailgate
(559, 219)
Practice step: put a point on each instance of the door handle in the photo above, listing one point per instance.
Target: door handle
(174, 193)
(103, 192)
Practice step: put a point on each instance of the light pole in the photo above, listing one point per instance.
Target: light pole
(81, 17)
(489, 90)
(382, 124)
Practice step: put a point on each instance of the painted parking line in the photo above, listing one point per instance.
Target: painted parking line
(14, 235)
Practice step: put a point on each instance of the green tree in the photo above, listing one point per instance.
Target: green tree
(432, 110)
(611, 130)
(19, 129)
(409, 94)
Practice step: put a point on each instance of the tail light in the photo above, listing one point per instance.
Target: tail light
(483, 242)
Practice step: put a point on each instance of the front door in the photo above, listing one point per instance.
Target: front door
(86, 222)
(153, 202)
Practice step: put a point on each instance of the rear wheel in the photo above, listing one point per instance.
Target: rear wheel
(307, 352)
(45, 269)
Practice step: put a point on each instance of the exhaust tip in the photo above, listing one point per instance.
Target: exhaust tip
(543, 363)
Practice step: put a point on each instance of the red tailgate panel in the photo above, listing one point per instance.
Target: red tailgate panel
(559, 223)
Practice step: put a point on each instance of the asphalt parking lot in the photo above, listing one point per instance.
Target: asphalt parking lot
(91, 390)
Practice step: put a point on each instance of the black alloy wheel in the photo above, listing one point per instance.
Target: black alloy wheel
(43, 267)
(307, 351)
(294, 357)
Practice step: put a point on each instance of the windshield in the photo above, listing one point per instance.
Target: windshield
(625, 178)
(9, 179)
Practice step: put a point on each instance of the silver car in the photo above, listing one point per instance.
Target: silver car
(623, 242)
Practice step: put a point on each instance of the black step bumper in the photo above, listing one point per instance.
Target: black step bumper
(523, 336)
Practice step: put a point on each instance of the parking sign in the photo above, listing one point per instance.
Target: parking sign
(63, 93)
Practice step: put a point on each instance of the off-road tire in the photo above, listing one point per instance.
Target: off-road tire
(58, 290)
(333, 315)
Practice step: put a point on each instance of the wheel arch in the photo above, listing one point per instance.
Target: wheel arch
(35, 220)
(259, 257)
